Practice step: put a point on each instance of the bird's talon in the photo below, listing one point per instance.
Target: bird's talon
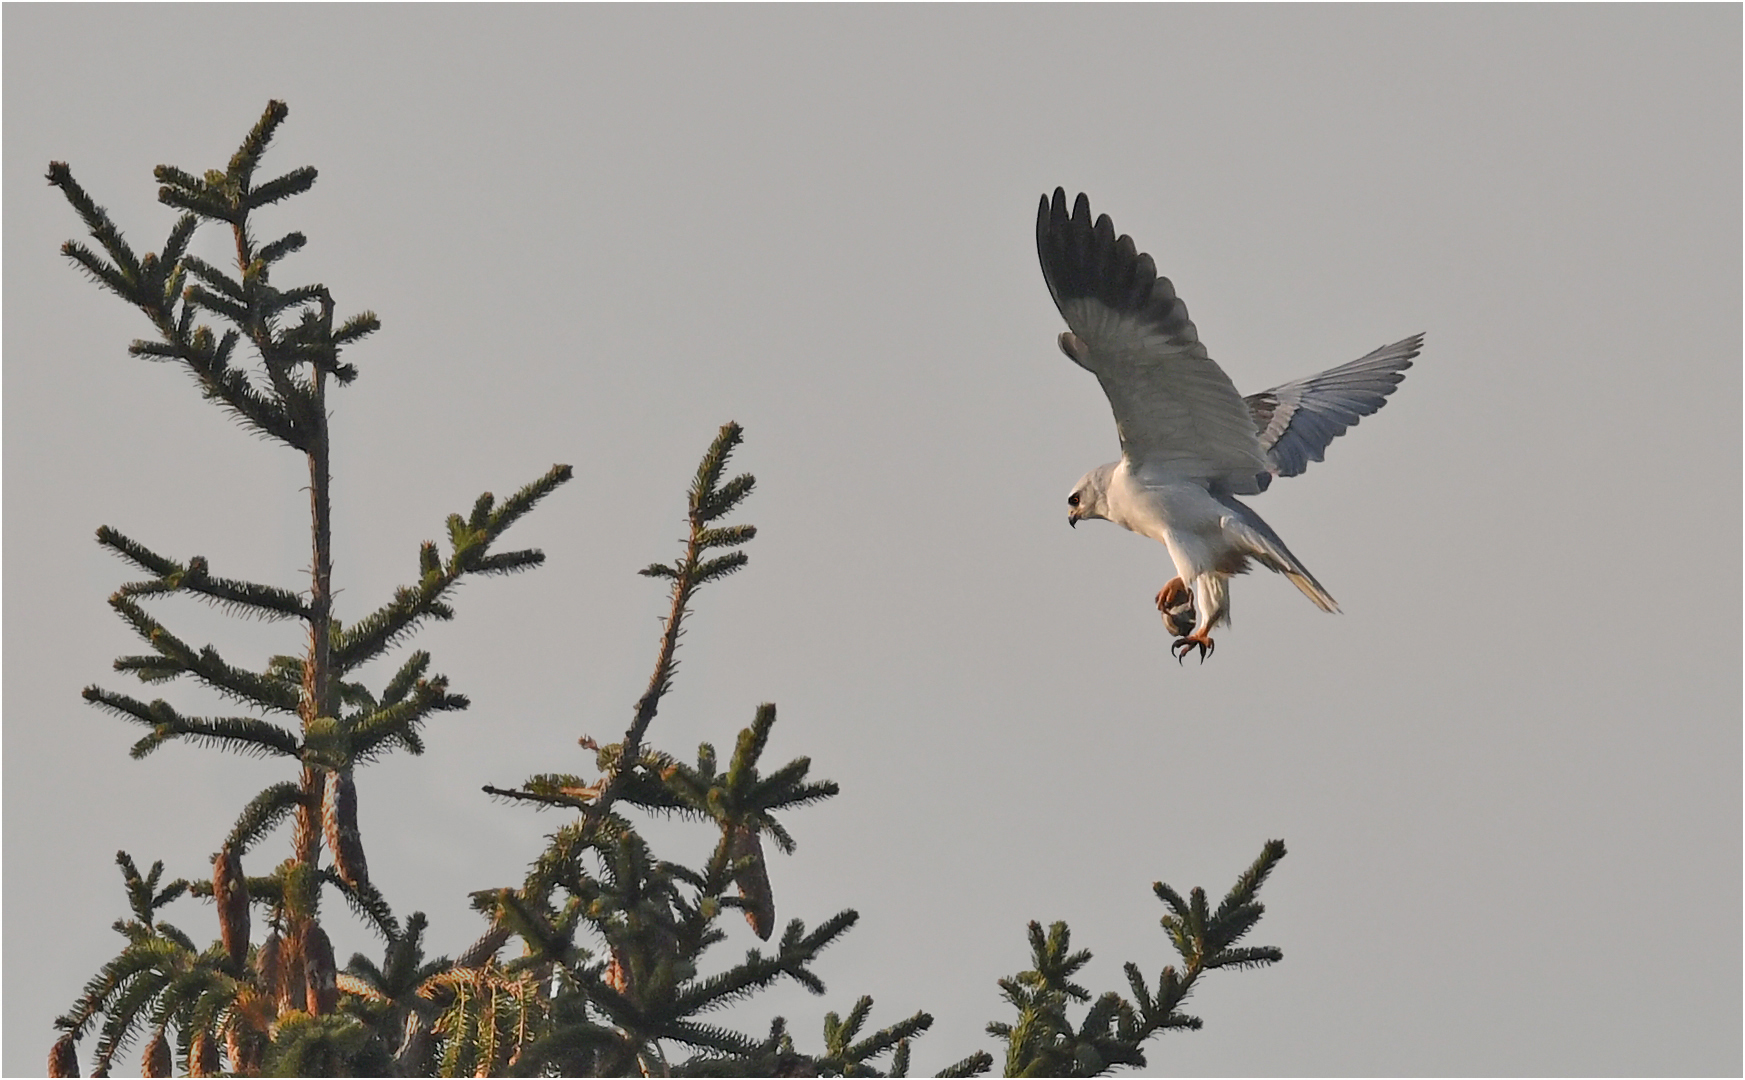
(1183, 645)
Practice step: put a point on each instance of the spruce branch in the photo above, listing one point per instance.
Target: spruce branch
(191, 193)
(278, 249)
(124, 275)
(142, 974)
(308, 1045)
(509, 562)
(550, 790)
(1044, 1042)
(248, 155)
(99, 271)
(742, 770)
(708, 502)
(217, 304)
(1258, 956)
(774, 1056)
(264, 691)
(1172, 898)
(238, 597)
(846, 1057)
(470, 552)
(158, 976)
(547, 940)
(239, 734)
(143, 894)
(367, 735)
(485, 949)
(710, 1037)
(367, 901)
(309, 334)
(154, 284)
(411, 670)
(243, 734)
(220, 281)
(263, 813)
(1248, 884)
(792, 958)
(150, 669)
(658, 918)
(295, 182)
(154, 350)
(357, 328)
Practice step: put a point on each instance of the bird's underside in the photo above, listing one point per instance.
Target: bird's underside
(1190, 444)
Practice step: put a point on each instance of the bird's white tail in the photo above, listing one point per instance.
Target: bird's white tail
(1305, 581)
(1256, 538)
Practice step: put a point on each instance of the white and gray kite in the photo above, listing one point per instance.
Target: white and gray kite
(1189, 443)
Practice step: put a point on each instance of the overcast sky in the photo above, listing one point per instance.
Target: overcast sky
(1508, 774)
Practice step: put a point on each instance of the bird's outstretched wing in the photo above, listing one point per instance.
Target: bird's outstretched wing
(1177, 413)
(1296, 421)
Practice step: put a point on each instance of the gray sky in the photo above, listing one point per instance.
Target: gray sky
(1508, 774)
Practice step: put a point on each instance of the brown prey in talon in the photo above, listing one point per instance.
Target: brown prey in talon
(1176, 605)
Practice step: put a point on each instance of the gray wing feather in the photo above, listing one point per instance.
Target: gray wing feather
(1177, 413)
(1296, 421)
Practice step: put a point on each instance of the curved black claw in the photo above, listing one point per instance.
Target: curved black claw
(1185, 645)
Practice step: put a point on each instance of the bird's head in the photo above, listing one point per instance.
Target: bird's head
(1089, 496)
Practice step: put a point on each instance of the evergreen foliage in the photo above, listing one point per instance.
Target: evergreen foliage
(281, 995)
(1043, 1042)
(602, 960)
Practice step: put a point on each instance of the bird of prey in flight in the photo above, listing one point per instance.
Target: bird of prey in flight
(1190, 444)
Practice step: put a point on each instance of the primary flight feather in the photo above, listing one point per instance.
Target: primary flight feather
(1189, 442)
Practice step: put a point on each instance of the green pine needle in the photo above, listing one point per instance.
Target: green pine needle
(293, 183)
(263, 814)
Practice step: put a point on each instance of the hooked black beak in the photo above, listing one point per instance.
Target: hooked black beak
(1072, 519)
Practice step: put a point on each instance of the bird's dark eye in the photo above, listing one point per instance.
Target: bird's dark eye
(1073, 499)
